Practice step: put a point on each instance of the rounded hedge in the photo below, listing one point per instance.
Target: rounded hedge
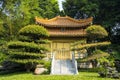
(96, 31)
(34, 31)
(27, 46)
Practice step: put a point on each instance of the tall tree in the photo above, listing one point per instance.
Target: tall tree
(48, 8)
(109, 16)
(105, 13)
(80, 8)
(19, 13)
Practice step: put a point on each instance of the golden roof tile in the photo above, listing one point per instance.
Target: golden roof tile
(63, 22)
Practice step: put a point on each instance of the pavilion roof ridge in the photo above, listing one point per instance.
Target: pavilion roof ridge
(67, 17)
(64, 21)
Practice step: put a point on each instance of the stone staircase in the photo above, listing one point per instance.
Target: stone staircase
(63, 67)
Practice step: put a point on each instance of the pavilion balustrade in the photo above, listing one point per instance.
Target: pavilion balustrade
(63, 54)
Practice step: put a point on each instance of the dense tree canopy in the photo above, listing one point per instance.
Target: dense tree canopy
(96, 32)
(104, 12)
(18, 13)
(80, 8)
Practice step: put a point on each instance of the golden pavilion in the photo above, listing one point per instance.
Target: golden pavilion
(63, 32)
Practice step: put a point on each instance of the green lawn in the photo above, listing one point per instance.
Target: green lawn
(30, 76)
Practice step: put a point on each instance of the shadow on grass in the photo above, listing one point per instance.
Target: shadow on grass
(4, 74)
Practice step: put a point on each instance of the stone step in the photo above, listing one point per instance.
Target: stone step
(63, 67)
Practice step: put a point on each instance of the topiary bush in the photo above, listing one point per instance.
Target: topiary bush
(29, 49)
(27, 46)
(35, 31)
(96, 31)
(91, 45)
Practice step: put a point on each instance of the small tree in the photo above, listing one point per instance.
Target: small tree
(96, 32)
(28, 50)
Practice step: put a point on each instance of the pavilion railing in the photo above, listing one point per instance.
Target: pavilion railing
(52, 65)
(74, 63)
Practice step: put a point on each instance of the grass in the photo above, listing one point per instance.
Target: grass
(30, 76)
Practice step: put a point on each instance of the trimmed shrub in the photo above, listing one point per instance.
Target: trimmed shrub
(95, 55)
(29, 50)
(99, 44)
(34, 31)
(27, 46)
(29, 39)
(96, 31)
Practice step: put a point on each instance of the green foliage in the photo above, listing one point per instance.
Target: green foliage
(48, 8)
(95, 55)
(86, 8)
(2, 42)
(99, 44)
(34, 31)
(28, 47)
(2, 31)
(26, 61)
(98, 52)
(22, 54)
(42, 41)
(2, 57)
(29, 50)
(79, 42)
(110, 13)
(47, 64)
(25, 38)
(78, 8)
(103, 59)
(115, 51)
(96, 31)
(105, 13)
(29, 39)
(14, 14)
(3, 51)
(116, 55)
(108, 61)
